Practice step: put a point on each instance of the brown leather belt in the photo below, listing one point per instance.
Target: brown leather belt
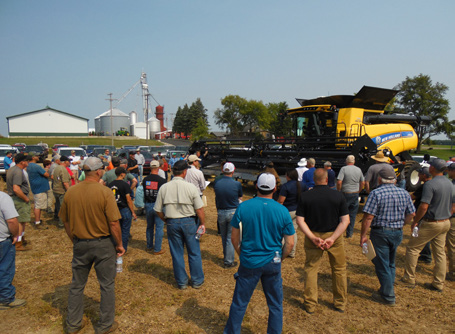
(434, 221)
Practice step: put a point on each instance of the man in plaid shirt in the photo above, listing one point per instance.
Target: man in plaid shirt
(387, 209)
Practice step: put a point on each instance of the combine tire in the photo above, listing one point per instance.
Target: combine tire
(411, 172)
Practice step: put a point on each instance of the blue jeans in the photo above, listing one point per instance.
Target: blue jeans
(7, 271)
(352, 201)
(385, 243)
(125, 225)
(181, 232)
(272, 284)
(224, 221)
(153, 223)
(141, 173)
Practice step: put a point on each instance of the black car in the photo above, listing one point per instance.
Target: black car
(38, 149)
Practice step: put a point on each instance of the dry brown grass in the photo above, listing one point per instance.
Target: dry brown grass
(148, 300)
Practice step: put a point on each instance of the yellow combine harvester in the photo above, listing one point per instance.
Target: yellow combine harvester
(329, 129)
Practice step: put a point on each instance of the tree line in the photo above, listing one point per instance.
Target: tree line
(417, 96)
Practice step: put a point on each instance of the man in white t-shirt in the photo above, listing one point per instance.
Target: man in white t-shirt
(74, 165)
(140, 164)
(301, 168)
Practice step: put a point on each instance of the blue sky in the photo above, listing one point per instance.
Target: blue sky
(70, 55)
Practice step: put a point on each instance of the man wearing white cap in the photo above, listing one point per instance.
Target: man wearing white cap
(301, 169)
(228, 195)
(194, 175)
(265, 223)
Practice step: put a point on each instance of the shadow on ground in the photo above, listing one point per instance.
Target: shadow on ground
(207, 319)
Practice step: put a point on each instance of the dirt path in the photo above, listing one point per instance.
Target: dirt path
(148, 301)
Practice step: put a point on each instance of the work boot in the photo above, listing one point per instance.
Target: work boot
(20, 247)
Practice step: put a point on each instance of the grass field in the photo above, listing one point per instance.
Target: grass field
(77, 141)
(148, 300)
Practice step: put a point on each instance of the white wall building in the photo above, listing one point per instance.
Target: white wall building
(47, 122)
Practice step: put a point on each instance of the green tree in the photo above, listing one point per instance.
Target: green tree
(201, 130)
(230, 116)
(280, 125)
(255, 115)
(179, 121)
(419, 96)
(196, 111)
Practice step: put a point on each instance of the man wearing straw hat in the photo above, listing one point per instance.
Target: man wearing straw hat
(372, 175)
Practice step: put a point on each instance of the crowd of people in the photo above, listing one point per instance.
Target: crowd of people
(97, 214)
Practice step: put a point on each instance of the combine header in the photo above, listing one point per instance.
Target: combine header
(327, 129)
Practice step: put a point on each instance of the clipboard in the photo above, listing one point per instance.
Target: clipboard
(371, 252)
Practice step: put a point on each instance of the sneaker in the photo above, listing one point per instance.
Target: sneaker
(230, 265)
(197, 286)
(378, 298)
(16, 303)
(149, 250)
(83, 323)
(431, 287)
(183, 287)
(406, 283)
(112, 329)
(160, 252)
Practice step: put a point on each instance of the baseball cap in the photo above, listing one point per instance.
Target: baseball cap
(228, 167)
(387, 174)
(180, 165)
(425, 171)
(266, 182)
(93, 163)
(193, 158)
(451, 166)
(439, 164)
(123, 162)
(22, 157)
(350, 159)
(64, 158)
(56, 157)
(154, 164)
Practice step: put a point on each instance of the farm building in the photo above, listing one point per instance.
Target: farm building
(120, 121)
(47, 122)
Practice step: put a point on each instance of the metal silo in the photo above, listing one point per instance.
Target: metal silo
(119, 120)
(154, 126)
(133, 117)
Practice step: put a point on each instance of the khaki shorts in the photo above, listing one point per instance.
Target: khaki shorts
(40, 201)
(23, 209)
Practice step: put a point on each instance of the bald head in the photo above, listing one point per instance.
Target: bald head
(320, 176)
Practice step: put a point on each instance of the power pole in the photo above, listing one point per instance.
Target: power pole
(110, 99)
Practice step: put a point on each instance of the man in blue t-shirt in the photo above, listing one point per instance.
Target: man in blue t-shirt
(8, 160)
(228, 195)
(307, 177)
(259, 225)
(39, 184)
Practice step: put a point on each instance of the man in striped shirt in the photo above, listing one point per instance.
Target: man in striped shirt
(387, 209)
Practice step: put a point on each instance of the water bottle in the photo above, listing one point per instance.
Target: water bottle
(277, 257)
(364, 248)
(415, 232)
(119, 264)
(200, 232)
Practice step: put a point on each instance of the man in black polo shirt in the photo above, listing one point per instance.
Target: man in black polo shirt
(323, 216)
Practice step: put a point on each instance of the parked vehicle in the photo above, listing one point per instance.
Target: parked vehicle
(67, 151)
(38, 149)
(178, 154)
(419, 159)
(20, 147)
(56, 147)
(3, 151)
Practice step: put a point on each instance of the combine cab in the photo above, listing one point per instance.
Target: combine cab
(327, 129)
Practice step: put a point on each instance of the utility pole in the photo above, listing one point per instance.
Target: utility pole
(110, 99)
